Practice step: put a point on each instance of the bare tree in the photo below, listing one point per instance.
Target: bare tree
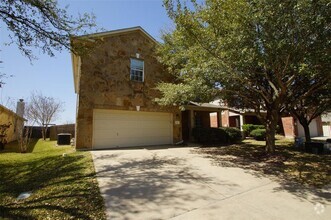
(43, 110)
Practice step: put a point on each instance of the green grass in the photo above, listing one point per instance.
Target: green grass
(62, 187)
(287, 164)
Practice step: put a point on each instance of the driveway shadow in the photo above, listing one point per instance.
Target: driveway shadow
(153, 187)
(306, 176)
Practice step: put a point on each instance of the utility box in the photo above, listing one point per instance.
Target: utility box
(63, 139)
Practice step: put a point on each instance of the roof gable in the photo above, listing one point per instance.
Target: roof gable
(117, 32)
(75, 59)
(8, 111)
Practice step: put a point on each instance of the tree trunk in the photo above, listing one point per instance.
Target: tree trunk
(307, 131)
(271, 125)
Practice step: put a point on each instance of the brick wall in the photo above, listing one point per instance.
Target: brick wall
(225, 118)
(213, 120)
(288, 126)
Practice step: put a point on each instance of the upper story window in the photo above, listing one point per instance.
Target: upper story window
(137, 70)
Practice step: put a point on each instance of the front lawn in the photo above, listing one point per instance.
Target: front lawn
(61, 187)
(286, 164)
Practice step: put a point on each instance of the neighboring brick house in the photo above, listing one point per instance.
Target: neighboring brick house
(14, 120)
(293, 128)
(326, 124)
(115, 86)
(288, 126)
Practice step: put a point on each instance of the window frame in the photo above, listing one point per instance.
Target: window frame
(135, 69)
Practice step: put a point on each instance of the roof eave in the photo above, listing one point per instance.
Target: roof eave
(115, 32)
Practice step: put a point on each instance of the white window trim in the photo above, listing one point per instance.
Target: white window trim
(143, 75)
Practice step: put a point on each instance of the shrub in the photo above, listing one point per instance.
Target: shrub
(234, 134)
(210, 135)
(216, 135)
(258, 134)
(248, 128)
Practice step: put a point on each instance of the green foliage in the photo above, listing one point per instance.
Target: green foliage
(234, 134)
(42, 24)
(253, 54)
(307, 108)
(216, 135)
(258, 134)
(210, 135)
(292, 165)
(248, 128)
(62, 187)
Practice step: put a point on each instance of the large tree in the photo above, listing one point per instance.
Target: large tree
(42, 110)
(252, 53)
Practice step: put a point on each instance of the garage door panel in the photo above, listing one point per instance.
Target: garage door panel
(114, 128)
(106, 134)
(100, 125)
(131, 142)
(159, 124)
(113, 117)
(115, 142)
(156, 132)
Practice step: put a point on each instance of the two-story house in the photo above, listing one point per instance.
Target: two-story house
(115, 86)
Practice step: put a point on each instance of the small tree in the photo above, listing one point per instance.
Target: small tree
(43, 110)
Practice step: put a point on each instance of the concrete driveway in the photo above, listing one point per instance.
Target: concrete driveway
(177, 183)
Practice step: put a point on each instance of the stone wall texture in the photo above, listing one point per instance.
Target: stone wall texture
(105, 82)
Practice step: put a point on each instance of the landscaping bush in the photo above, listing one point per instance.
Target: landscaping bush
(216, 135)
(248, 128)
(210, 135)
(258, 134)
(234, 134)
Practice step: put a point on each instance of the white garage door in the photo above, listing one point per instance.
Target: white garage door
(115, 128)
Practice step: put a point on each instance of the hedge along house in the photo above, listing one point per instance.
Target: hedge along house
(115, 86)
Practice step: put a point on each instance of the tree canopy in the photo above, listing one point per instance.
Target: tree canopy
(309, 106)
(42, 24)
(252, 53)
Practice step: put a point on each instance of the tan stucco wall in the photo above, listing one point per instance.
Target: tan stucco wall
(6, 117)
(105, 82)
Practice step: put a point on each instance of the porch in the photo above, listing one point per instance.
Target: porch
(200, 115)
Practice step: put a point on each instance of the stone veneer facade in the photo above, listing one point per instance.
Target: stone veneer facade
(105, 82)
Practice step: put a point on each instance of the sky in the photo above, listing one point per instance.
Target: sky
(53, 75)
